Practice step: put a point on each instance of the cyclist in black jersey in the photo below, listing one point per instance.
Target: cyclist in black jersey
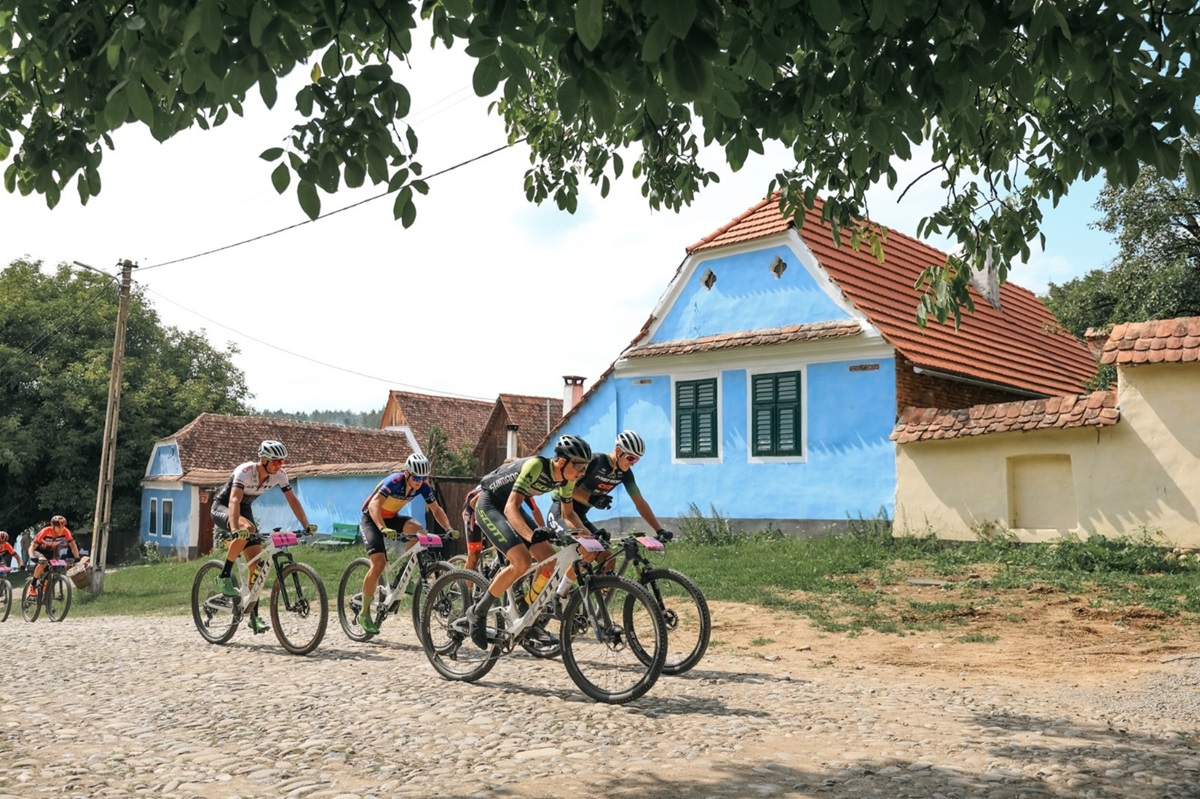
(605, 472)
(594, 490)
(510, 529)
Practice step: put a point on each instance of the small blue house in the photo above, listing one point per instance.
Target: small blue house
(332, 469)
(769, 378)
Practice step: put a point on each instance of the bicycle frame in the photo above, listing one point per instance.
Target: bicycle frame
(563, 560)
(397, 579)
(274, 547)
(627, 552)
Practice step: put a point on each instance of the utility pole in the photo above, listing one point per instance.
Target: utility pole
(108, 453)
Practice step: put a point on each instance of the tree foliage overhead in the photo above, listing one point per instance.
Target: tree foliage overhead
(56, 339)
(347, 418)
(1016, 99)
(1156, 274)
(444, 461)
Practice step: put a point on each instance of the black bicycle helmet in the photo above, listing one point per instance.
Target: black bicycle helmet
(572, 448)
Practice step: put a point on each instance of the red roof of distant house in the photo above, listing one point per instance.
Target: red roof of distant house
(1165, 341)
(1021, 346)
(461, 419)
(1098, 409)
(216, 443)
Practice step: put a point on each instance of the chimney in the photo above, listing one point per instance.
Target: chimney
(510, 441)
(572, 392)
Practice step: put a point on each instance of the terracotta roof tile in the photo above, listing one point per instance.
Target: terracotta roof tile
(1098, 409)
(1157, 341)
(219, 442)
(535, 417)
(1021, 346)
(725, 341)
(462, 419)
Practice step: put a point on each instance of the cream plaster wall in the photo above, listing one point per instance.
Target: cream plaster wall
(1141, 473)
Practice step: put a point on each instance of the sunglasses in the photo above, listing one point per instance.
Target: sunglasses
(579, 464)
(631, 458)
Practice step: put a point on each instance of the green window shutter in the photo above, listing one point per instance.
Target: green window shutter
(696, 419)
(776, 414)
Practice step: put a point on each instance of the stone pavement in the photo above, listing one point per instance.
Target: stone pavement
(124, 707)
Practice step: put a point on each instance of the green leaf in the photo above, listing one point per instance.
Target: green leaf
(116, 108)
(678, 15)
(827, 13)
(658, 39)
(260, 17)
(355, 173)
(269, 92)
(139, 101)
(271, 154)
(589, 22)
(280, 178)
(568, 99)
(310, 203)
(212, 27)
(487, 76)
(403, 200)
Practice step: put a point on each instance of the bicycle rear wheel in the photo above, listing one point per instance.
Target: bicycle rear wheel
(31, 606)
(445, 632)
(58, 597)
(421, 591)
(299, 609)
(5, 599)
(609, 623)
(350, 600)
(685, 612)
(215, 614)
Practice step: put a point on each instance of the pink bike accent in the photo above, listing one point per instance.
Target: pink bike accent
(283, 539)
(429, 539)
(651, 543)
(5, 569)
(590, 544)
(58, 563)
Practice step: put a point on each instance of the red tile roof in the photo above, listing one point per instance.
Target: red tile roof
(1098, 409)
(749, 338)
(1165, 341)
(1021, 346)
(462, 419)
(534, 416)
(216, 442)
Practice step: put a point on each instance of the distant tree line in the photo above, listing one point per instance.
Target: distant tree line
(346, 418)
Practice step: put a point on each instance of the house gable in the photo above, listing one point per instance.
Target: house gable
(164, 460)
(748, 288)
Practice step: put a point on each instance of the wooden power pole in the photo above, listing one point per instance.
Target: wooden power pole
(108, 453)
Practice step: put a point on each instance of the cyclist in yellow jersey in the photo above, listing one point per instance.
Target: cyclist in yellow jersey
(381, 519)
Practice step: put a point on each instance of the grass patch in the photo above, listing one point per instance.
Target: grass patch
(978, 638)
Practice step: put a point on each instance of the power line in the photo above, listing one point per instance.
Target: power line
(479, 157)
(312, 360)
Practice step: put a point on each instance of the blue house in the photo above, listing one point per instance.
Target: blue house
(332, 469)
(768, 379)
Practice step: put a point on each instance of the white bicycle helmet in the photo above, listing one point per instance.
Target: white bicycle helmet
(417, 465)
(272, 450)
(572, 448)
(632, 443)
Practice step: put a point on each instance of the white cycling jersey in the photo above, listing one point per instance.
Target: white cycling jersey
(245, 477)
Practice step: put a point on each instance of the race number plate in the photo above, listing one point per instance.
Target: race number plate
(283, 539)
(590, 544)
(650, 542)
(429, 539)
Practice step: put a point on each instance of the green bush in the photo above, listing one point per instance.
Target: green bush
(1140, 554)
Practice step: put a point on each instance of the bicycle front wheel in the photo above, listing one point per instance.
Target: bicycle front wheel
(299, 609)
(58, 597)
(445, 631)
(608, 625)
(685, 612)
(215, 614)
(350, 600)
(5, 599)
(31, 604)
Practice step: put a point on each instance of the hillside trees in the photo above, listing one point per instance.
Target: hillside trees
(56, 337)
(1016, 100)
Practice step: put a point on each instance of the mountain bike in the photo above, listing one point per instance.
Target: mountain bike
(299, 607)
(600, 618)
(408, 571)
(538, 643)
(52, 589)
(5, 593)
(682, 604)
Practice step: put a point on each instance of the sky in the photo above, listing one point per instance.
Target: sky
(485, 294)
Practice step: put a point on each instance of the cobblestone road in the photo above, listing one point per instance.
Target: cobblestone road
(121, 707)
